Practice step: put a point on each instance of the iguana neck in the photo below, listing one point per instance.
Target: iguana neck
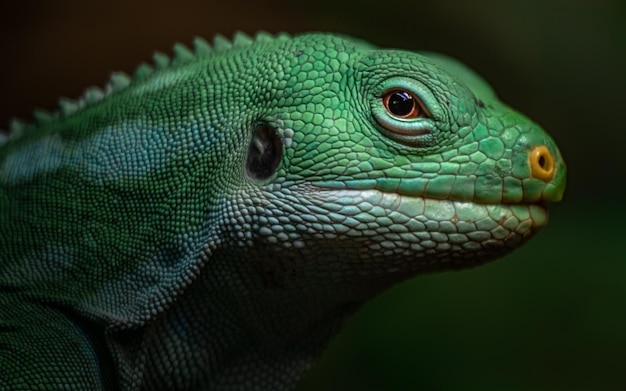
(277, 329)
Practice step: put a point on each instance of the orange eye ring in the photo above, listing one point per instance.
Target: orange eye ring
(402, 104)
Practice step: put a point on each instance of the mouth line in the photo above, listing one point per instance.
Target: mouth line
(425, 196)
(508, 214)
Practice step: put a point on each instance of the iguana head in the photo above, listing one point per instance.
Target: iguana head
(391, 162)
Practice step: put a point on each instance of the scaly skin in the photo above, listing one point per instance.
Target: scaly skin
(208, 224)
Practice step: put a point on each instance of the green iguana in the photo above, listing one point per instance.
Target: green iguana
(208, 223)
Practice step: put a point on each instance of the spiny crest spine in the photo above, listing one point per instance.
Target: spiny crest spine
(119, 81)
(201, 47)
(182, 54)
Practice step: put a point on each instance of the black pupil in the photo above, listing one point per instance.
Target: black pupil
(401, 103)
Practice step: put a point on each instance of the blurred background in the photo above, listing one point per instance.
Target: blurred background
(551, 316)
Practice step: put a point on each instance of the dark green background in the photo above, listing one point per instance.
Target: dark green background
(552, 316)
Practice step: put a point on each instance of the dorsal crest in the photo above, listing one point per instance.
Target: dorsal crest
(119, 81)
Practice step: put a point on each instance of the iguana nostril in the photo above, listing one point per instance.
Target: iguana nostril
(541, 163)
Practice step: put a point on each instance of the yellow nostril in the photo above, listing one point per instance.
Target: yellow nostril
(541, 163)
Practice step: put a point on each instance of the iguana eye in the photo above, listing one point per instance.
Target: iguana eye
(406, 111)
(402, 104)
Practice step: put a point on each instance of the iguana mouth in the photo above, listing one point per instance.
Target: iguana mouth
(395, 186)
(452, 216)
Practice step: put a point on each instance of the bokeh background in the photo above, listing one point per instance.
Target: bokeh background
(551, 316)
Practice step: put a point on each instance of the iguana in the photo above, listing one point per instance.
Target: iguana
(208, 223)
